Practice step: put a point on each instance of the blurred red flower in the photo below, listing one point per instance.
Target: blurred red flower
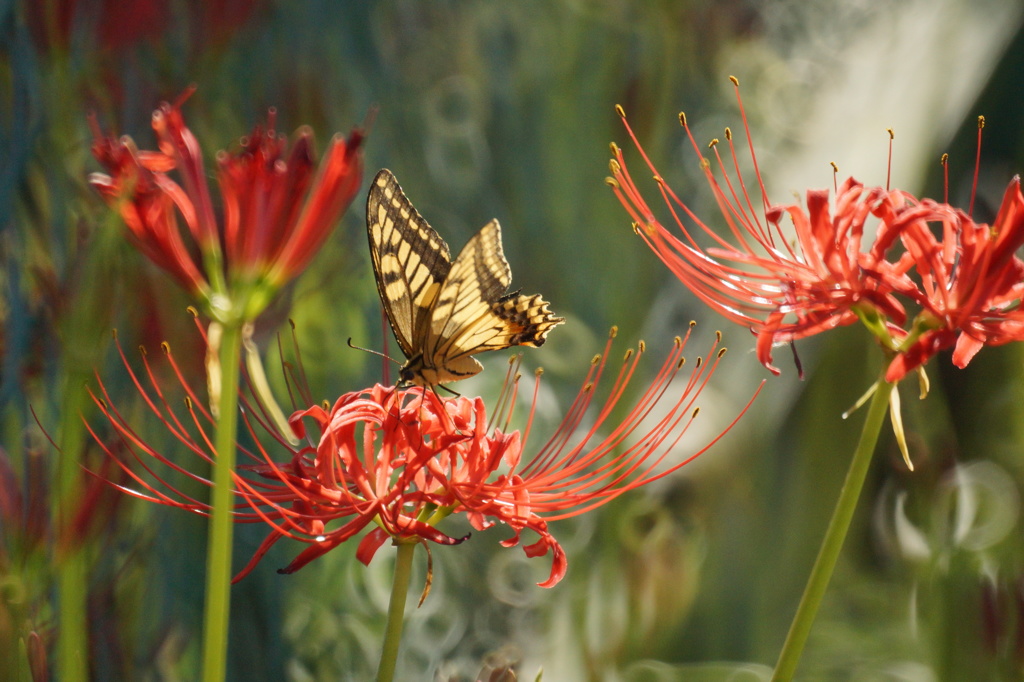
(26, 496)
(277, 207)
(402, 460)
(116, 25)
(112, 24)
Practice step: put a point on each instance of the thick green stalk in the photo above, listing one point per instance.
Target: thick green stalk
(834, 536)
(73, 640)
(73, 562)
(218, 550)
(396, 612)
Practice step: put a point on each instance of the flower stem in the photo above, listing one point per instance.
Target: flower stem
(834, 536)
(396, 612)
(73, 564)
(218, 550)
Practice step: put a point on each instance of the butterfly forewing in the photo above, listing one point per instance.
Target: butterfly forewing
(444, 312)
(410, 259)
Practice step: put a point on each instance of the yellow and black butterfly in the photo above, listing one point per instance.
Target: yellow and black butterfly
(443, 312)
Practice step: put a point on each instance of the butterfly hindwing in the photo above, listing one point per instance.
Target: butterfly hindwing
(478, 277)
(475, 312)
(443, 312)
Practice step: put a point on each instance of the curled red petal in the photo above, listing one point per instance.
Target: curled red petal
(264, 547)
(965, 349)
(369, 545)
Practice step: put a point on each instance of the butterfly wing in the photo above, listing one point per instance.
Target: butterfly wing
(472, 313)
(410, 260)
(442, 312)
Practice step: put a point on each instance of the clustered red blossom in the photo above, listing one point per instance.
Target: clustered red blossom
(277, 204)
(398, 461)
(790, 279)
(972, 281)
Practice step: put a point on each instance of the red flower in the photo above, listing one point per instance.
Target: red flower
(790, 282)
(26, 496)
(118, 25)
(783, 286)
(113, 25)
(277, 208)
(972, 282)
(402, 460)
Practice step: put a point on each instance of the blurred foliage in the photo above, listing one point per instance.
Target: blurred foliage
(497, 110)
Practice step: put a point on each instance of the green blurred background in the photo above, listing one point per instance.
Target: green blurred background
(505, 109)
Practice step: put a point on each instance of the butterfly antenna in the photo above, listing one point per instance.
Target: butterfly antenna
(372, 352)
(384, 335)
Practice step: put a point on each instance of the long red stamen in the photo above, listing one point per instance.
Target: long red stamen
(888, 161)
(977, 166)
(750, 143)
(945, 178)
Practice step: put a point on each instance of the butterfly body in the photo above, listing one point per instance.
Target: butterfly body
(441, 311)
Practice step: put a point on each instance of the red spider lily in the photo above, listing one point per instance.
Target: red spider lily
(118, 25)
(789, 287)
(110, 24)
(25, 498)
(783, 287)
(277, 208)
(23, 502)
(972, 282)
(402, 460)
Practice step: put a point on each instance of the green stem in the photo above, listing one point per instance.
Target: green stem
(396, 612)
(73, 642)
(834, 536)
(73, 562)
(218, 550)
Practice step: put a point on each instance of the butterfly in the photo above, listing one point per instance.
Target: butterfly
(442, 311)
